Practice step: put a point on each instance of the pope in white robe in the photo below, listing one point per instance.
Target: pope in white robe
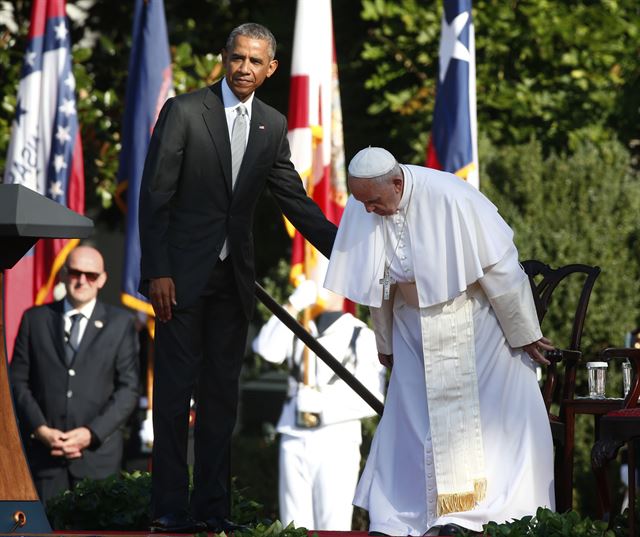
(465, 438)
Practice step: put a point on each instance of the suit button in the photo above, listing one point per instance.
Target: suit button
(69, 394)
(72, 372)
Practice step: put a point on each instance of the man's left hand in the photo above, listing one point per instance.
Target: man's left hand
(74, 441)
(535, 349)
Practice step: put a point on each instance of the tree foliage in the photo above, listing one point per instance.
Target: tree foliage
(556, 71)
(574, 208)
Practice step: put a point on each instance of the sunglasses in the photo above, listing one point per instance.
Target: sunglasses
(90, 276)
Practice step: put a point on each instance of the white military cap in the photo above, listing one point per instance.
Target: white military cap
(371, 162)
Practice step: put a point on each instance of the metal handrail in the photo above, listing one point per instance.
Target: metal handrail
(292, 324)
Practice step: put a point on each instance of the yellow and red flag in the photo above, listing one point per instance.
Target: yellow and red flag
(315, 127)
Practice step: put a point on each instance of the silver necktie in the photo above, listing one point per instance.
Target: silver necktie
(238, 141)
(238, 145)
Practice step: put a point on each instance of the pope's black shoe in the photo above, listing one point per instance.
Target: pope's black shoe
(452, 529)
(177, 523)
(218, 524)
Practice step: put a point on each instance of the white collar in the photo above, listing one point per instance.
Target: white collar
(408, 187)
(86, 310)
(230, 101)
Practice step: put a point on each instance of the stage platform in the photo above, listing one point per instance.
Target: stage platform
(312, 533)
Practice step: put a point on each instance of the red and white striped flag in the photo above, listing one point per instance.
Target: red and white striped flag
(45, 154)
(315, 126)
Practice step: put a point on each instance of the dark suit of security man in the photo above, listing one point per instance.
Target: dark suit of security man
(72, 403)
(198, 269)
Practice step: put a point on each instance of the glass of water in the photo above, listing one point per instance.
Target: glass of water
(597, 379)
(627, 373)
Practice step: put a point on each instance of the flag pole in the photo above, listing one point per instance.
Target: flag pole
(308, 418)
(306, 315)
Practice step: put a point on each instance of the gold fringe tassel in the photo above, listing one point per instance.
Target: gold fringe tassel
(462, 501)
(454, 503)
(480, 489)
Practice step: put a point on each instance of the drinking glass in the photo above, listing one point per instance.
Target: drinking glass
(597, 379)
(626, 377)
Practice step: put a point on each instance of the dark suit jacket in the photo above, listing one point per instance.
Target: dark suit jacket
(187, 206)
(99, 390)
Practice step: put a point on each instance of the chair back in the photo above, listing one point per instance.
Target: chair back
(544, 281)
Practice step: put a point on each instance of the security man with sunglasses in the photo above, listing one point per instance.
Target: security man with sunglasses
(74, 377)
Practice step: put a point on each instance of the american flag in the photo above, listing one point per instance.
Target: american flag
(453, 146)
(45, 154)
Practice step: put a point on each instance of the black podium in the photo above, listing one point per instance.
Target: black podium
(25, 217)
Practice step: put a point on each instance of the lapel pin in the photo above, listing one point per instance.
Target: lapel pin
(98, 324)
(261, 127)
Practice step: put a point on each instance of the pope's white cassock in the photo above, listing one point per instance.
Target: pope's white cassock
(465, 437)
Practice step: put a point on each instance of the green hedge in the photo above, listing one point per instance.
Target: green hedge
(122, 503)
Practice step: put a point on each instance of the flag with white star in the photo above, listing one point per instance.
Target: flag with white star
(148, 86)
(453, 145)
(45, 153)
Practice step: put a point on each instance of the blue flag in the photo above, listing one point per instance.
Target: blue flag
(453, 145)
(148, 87)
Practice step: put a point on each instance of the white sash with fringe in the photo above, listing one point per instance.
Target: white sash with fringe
(453, 401)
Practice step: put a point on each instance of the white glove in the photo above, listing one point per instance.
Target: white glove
(305, 295)
(146, 435)
(308, 399)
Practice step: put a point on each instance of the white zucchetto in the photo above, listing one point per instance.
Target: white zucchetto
(371, 162)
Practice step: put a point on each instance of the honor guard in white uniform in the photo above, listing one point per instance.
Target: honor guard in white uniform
(320, 430)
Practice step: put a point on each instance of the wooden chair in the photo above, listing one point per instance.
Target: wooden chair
(616, 429)
(559, 386)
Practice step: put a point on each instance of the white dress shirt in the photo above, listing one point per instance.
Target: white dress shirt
(86, 311)
(231, 102)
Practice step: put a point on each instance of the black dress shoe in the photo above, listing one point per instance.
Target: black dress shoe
(453, 530)
(218, 524)
(177, 523)
(378, 534)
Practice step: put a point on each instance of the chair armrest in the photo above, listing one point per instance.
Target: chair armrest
(569, 356)
(571, 359)
(630, 353)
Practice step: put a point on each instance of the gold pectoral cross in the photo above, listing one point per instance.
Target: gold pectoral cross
(386, 281)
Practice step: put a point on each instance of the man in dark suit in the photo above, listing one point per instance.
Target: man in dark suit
(211, 154)
(74, 376)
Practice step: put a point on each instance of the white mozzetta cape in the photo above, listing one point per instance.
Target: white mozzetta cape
(456, 233)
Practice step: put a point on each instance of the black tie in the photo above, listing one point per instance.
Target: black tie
(73, 339)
